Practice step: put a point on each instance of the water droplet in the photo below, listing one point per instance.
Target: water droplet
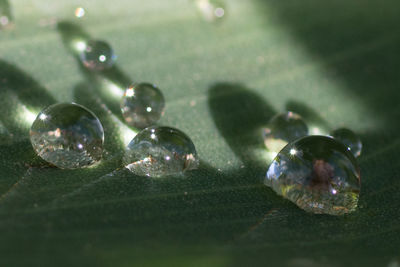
(97, 55)
(160, 151)
(79, 12)
(5, 14)
(212, 10)
(142, 105)
(68, 136)
(283, 129)
(349, 139)
(318, 174)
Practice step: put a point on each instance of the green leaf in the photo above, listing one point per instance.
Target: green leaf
(336, 63)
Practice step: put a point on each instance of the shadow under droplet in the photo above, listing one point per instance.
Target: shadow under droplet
(111, 83)
(239, 115)
(21, 99)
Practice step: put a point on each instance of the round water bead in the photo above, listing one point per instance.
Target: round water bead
(6, 17)
(282, 129)
(142, 105)
(160, 151)
(98, 55)
(212, 10)
(349, 139)
(318, 174)
(68, 136)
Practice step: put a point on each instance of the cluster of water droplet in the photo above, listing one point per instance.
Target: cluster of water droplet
(318, 173)
(69, 136)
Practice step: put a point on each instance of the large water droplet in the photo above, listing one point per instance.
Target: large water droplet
(142, 105)
(318, 174)
(68, 136)
(97, 55)
(349, 139)
(212, 10)
(283, 129)
(160, 151)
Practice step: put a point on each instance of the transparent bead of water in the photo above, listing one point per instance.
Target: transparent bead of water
(6, 17)
(97, 55)
(142, 105)
(351, 140)
(160, 151)
(68, 136)
(282, 129)
(318, 174)
(211, 10)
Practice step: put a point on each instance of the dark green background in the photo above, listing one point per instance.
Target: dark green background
(335, 62)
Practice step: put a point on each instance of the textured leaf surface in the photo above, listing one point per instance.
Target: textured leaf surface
(335, 63)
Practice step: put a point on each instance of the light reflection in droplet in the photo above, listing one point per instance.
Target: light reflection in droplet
(79, 12)
(4, 20)
(219, 12)
(102, 58)
(79, 45)
(211, 9)
(130, 92)
(42, 116)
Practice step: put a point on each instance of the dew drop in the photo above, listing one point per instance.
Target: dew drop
(318, 174)
(6, 17)
(97, 55)
(283, 129)
(142, 105)
(349, 139)
(68, 136)
(211, 10)
(160, 151)
(79, 12)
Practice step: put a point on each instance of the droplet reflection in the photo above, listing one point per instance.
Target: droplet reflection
(142, 105)
(318, 174)
(97, 55)
(160, 151)
(68, 136)
(5, 14)
(211, 10)
(282, 129)
(79, 12)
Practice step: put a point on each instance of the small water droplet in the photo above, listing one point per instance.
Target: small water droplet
(212, 10)
(68, 136)
(80, 12)
(349, 139)
(142, 105)
(6, 17)
(318, 174)
(283, 129)
(160, 151)
(97, 55)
